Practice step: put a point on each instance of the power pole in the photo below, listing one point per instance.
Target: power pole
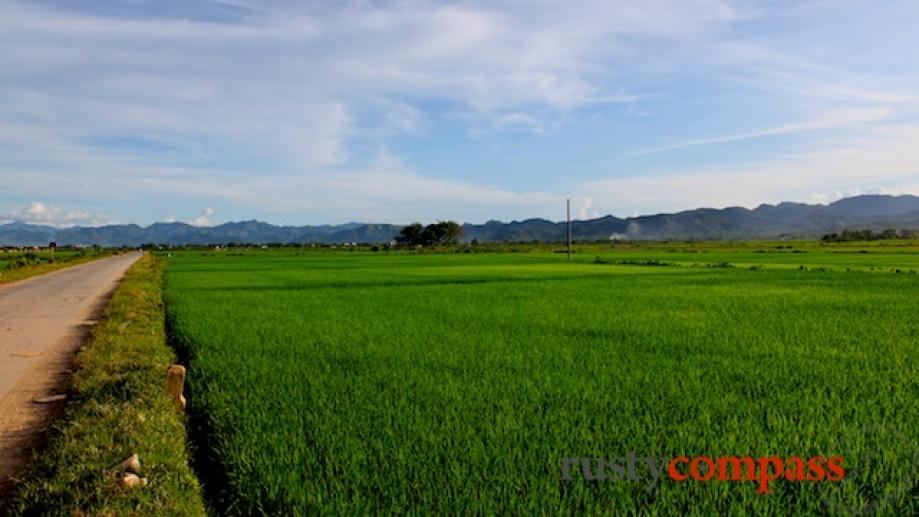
(568, 210)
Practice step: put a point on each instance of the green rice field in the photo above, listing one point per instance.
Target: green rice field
(454, 383)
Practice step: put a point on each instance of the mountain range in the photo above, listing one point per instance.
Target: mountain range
(785, 220)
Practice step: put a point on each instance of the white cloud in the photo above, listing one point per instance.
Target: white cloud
(584, 208)
(205, 219)
(38, 212)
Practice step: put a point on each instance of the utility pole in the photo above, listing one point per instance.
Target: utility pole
(568, 210)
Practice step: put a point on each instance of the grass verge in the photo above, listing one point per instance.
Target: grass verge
(119, 407)
(21, 273)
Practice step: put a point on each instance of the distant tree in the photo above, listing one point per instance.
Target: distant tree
(411, 234)
(432, 234)
(889, 233)
(442, 232)
(439, 233)
(454, 231)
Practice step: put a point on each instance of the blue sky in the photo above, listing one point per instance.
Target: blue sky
(328, 112)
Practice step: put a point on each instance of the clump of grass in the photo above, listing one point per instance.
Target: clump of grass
(648, 262)
(120, 408)
(632, 262)
(720, 265)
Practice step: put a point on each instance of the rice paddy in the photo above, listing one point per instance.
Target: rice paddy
(443, 383)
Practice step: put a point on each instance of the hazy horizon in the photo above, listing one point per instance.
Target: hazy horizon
(199, 224)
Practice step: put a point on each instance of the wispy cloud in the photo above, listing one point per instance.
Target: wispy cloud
(833, 120)
(884, 159)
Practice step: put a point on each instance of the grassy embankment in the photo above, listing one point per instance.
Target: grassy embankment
(119, 407)
(20, 266)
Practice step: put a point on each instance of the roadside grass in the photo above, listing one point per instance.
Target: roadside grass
(10, 271)
(119, 407)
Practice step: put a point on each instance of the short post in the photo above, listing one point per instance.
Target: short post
(175, 384)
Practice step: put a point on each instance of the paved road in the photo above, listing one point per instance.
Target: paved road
(43, 321)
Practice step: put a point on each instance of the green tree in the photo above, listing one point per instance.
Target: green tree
(439, 233)
(411, 234)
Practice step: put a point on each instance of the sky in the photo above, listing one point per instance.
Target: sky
(292, 112)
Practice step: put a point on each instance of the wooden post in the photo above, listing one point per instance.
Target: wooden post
(568, 211)
(175, 383)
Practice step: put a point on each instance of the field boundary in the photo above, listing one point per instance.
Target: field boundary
(119, 407)
(204, 458)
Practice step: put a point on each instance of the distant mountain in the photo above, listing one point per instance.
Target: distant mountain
(249, 232)
(874, 212)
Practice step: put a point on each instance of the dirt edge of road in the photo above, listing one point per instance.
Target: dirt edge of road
(32, 422)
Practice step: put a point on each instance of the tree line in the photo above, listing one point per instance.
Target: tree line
(868, 235)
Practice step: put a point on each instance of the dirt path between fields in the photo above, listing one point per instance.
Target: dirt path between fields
(43, 322)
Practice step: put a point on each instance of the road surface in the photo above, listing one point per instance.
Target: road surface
(43, 322)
